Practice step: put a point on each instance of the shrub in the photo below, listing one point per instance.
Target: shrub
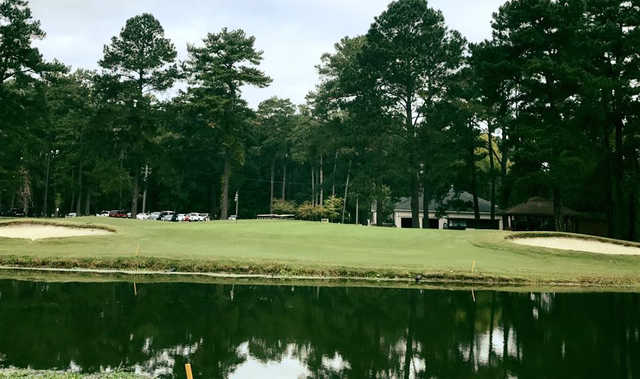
(284, 207)
(333, 208)
(306, 211)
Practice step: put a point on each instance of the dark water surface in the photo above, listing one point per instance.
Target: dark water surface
(282, 331)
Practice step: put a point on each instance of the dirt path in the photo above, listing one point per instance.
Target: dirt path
(35, 231)
(577, 244)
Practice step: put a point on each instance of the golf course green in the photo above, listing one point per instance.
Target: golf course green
(299, 249)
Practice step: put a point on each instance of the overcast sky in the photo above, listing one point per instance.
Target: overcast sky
(292, 33)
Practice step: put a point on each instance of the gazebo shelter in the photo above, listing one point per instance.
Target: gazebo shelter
(537, 214)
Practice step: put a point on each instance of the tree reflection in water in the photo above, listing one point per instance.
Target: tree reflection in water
(246, 330)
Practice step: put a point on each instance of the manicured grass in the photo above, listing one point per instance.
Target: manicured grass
(309, 248)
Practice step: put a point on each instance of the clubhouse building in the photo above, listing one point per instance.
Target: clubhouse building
(455, 208)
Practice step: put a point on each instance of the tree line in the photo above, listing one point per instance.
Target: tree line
(548, 106)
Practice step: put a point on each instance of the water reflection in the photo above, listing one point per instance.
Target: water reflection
(244, 331)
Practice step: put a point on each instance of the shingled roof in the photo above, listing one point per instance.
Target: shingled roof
(453, 201)
(538, 206)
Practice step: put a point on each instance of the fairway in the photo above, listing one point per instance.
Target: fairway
(311, 248)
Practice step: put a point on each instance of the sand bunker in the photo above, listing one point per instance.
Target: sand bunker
(36, 231)
(578, 244)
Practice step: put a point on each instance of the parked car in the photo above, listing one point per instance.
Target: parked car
(142, 216)
(103, 214)
(232, 218)
(166, 216)
(180, 217)
(154, 216)
(14, 212)
(454, 224)
(118, 213)
(196, 217)
(71, 214)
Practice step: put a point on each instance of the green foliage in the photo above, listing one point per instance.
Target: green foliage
(17, 31)
(284, 207)
(333, 208)
(308, 211)
(141, 57)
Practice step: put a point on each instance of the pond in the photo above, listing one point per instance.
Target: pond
(246, 331)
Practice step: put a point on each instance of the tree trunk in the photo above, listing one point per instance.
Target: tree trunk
(504, 194)
(73, 190)
(346, 192)
(426, 199)
(213, 209)
(273, 170)
(25, 193)
(79, 199)
(609, 204)
(284, 178)
(313, 186)
(557, 209)
(321, 182)
(87, 206)
(474, 187)
(379, 210)
(335, 165)
(224, 206)
(119, 179)
(633, 202)
(136, 190)
(45, 203)
(415, 201)
(492, 175)
(618, 178)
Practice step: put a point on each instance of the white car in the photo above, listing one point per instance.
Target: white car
(167, 216)
(72, 214)
(103, 214)
(154, 215)
(142, 216)
(196, 217)
(180, 217)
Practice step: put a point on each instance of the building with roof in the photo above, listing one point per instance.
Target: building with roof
(455, 207)
(537, 214)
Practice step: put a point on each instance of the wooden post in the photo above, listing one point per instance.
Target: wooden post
(187, 368)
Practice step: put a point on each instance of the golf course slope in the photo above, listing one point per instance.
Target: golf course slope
(287, 249)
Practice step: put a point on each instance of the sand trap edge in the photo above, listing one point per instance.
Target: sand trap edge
(516, 235)
(58, 223)
(575, 236)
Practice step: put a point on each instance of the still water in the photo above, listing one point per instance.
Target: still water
(251, 331)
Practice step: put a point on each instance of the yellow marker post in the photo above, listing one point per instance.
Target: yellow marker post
(473, 267)
(138, 249)
(187, 368)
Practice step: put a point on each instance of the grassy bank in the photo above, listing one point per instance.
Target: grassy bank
(290, 248)
(46, 374)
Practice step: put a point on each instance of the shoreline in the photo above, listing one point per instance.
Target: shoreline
(436, 281)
